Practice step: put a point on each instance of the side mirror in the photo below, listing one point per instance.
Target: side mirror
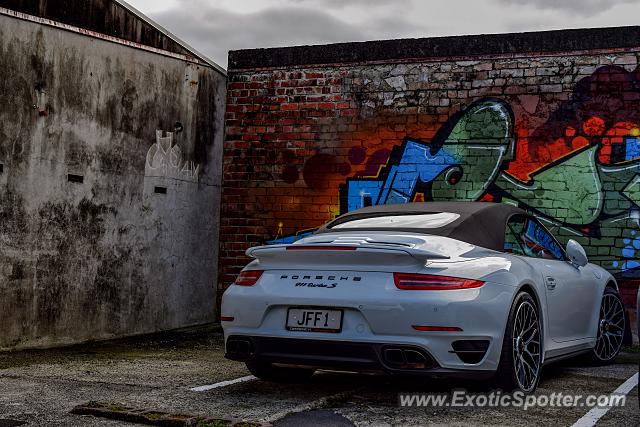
(576, 253)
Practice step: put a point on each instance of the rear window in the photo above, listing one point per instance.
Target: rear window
(429, 220)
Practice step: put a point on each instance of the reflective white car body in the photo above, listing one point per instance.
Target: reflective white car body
(354, 272)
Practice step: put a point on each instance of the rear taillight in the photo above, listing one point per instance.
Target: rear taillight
(429, 282)
(248, 278)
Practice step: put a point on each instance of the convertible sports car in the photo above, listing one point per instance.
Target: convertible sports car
(440, 289)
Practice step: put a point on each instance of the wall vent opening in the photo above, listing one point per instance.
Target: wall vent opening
(160, 190)
(75, 178)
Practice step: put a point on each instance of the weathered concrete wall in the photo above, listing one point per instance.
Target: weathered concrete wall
(549, 121)
(132, 248)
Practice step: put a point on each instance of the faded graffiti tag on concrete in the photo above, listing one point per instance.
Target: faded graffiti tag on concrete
(166, 160)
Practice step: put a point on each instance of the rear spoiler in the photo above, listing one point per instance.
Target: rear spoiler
(272, 251)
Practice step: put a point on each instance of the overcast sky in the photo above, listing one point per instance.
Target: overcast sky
(216, 26)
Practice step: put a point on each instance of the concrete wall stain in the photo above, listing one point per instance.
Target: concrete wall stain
(107, 256)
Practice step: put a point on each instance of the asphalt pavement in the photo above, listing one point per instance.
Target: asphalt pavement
(185, 372)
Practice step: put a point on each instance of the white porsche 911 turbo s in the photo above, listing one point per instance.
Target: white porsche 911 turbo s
(463, 289)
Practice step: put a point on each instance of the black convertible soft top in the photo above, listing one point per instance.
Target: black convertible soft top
(480, 223)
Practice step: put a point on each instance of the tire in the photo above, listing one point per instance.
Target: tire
(267, 372)
(611, 326)
(521, 356)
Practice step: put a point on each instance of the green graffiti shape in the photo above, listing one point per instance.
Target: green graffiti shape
(622, 187)
(570, 190)
(481, 140)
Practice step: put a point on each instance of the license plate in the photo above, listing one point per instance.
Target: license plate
(314, 320)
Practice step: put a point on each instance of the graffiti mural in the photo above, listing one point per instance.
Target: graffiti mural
(579, 171)
(165, 160)
(459, 163)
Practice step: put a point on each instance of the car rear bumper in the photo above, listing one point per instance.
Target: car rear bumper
(379, 313)
(389, 358)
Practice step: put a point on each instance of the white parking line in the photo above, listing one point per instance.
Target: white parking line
(591, 418)
(223, 383)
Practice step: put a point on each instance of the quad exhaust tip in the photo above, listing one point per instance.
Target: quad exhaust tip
(239, 348)
(406, 357)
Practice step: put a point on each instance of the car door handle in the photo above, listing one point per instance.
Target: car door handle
(551, 283)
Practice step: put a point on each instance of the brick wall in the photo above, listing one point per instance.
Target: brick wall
(549, 121)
